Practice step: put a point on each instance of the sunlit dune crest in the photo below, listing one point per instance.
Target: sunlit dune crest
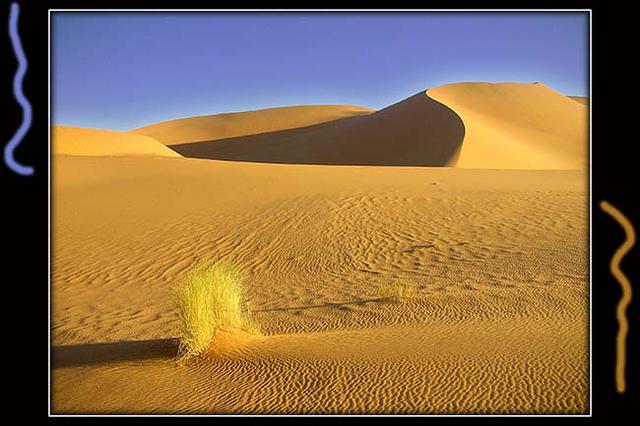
(517, 126)
(233, 124)
(68, 140)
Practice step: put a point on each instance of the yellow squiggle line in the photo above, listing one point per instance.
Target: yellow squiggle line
(623, 324)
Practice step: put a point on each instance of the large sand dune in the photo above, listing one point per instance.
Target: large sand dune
(514, 125)
(222, 126)
(93, 142)
(415, 132)
(498, 323)
(474, 125)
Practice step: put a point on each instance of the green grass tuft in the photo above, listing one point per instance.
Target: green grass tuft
(210, 300)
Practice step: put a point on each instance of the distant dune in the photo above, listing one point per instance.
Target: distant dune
(93, 142)
(417, 131)
(221, 126)
(514, 125)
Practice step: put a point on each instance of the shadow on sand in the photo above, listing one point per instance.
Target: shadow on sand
(104, 353)
(141, 350)
(418, 131)
(335, 305)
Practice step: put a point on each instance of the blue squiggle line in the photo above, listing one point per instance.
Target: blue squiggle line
(19, 95)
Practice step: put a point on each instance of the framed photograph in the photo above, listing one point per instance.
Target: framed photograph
(320, 212)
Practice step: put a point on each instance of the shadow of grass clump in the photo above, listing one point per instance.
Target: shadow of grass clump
(210, 300)
(113, 352)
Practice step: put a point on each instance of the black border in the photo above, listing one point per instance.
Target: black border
(25, 212)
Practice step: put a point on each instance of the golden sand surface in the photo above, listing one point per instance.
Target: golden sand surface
(499, 258)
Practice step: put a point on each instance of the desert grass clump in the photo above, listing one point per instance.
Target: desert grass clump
(210, 300)
(396, 289)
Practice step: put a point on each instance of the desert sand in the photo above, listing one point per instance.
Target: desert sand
(499, 258)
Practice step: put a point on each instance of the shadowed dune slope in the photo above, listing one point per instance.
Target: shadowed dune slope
(417, 131)
(515, 125)
(94, 142)
(222, 126)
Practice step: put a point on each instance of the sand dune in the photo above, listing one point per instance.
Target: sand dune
(222, 126)
(474, 125)
(514, 125)
(498, 257)
(415, 132)
(93, 142)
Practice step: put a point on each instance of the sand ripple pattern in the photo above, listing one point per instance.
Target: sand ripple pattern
(499, 259)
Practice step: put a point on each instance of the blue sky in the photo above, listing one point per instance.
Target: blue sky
(119, 71)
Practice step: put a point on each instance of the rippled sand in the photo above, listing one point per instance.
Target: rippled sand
(499, 258)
